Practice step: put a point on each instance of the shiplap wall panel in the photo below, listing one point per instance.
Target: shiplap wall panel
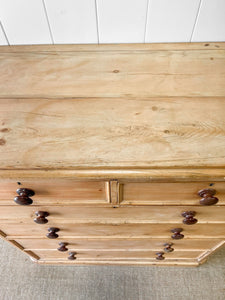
(210, 25)
(171, 21)
(72, 21)
(111, 21)
(3, 40)
(121, 21)
(25, 22)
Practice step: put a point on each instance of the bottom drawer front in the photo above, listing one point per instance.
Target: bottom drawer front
(114, 255)
(14, 231)
(144, 244)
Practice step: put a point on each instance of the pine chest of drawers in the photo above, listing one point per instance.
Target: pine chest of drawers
(113, 154)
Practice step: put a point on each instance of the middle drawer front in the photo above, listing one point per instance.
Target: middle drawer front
(107, 231)
(111, 215)
(114, 244)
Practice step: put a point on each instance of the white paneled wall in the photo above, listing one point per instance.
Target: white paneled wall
(210, 24)
(171, 21)
(111, 21)
(72, 21)
(24, 21)
(122, 21)
(3, 40)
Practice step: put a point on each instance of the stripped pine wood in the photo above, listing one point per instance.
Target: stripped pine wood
(206, 253)
(156, 132)
(133, 174)
(212, 46)
(138, 193)
(115, 255)
(115, 141)
(112, 73)
(181, 261)
(112, 215)
(52, 191)
(114, 188)
(108, 231)
(175, 262)
(118, 244)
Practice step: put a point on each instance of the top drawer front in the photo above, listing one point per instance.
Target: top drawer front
(56, 191)
(164, 193)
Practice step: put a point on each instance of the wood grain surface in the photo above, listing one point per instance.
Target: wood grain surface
(135, 71)
(119, 244)
(115, 255)
(56, 191)
(164, 193)
(143, 124)
(111, 215)
(108, 231)
(87, 133)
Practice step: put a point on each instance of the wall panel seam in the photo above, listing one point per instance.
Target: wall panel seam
(196, 20)
(146, 21)
(47, 18)
(5, 35)
(97, 21)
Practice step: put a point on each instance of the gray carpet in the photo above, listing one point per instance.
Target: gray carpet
(22, 279)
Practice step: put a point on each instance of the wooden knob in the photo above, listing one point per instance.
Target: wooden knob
(207, 197)
(41, 217)
(52, 233)
(62, 247)
(168, 247)
(189, 217)
(72, 255)
(23, 198)
(160, 255)
(177, 233)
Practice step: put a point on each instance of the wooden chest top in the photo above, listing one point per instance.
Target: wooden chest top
(113, 107)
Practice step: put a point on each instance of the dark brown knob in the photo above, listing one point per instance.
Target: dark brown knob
(177, 233)
(72, 255)
(23, 198)
(189, 217)
(160, 255)
(41, 217)
(52, 233)
(207, 197)
(168, 247)
(62, 247)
